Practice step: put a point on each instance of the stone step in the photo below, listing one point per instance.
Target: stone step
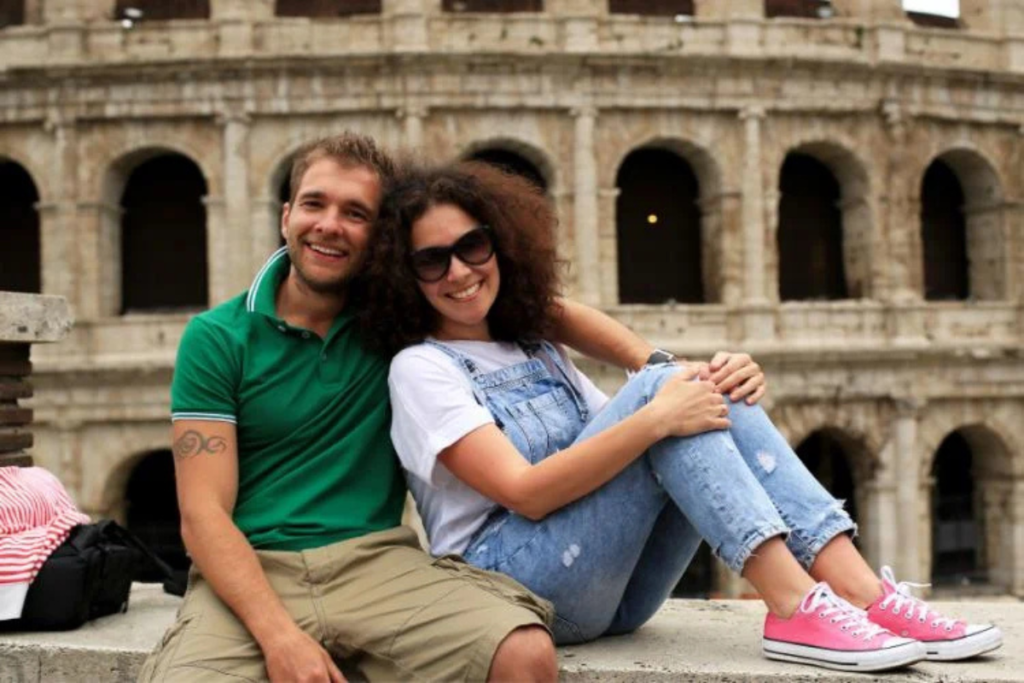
(714, 641)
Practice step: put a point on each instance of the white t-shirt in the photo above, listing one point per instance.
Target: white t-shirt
(433, 407)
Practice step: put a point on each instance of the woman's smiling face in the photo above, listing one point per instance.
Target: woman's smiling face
(465, 294)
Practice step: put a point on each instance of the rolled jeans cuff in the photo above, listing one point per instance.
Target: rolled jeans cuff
(739, 558)
(837, 523)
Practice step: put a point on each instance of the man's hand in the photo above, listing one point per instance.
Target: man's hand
(737, 375)
(294, 657)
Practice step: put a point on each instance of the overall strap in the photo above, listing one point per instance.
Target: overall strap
(546, 353)
(464, 363)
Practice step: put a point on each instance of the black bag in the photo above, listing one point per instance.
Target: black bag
(88, 576)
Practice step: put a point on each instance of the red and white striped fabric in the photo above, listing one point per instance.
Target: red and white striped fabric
(36, 516)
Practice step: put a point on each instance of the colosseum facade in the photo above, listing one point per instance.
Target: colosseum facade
(835, 187)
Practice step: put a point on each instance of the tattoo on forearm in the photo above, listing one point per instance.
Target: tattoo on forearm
(192, 443)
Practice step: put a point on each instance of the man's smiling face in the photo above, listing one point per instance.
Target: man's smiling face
(328, 225)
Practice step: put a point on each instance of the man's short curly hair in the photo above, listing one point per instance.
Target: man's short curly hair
(394, 313)
(348, 149)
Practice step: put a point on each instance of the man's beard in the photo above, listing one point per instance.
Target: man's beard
(335, 286)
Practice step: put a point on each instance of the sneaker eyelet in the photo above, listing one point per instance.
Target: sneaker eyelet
(949, 629)
(908, 616)
(821, 615)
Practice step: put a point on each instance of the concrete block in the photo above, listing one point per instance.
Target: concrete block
(33, 318)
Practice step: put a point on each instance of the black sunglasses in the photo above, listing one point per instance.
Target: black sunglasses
(474, 248)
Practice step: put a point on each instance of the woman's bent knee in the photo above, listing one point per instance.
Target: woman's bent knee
(526, 654)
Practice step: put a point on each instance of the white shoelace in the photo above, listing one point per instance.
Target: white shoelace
(850, 619)
(902, 596)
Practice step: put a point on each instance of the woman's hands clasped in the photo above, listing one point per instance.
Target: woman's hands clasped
(687, 405)
(693, 401)
(737, 375)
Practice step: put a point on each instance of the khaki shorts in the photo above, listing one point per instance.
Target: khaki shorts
(377, 602)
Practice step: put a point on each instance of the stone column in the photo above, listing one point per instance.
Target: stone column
(221, 264)
(608, 249)
(907, 559)
(412, 126)
(585, 229)
(234, 249)
(235, 19)
(901, 215)
(580, 20)
(57, 229)
(406, 23)
(98, 238)
(246, 10)
(870, 11)
(25, 319)
(733, 9)
(753, 208)
(745, 19)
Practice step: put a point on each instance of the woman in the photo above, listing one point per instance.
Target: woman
(518, 462)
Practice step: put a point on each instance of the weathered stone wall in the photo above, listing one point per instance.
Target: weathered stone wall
(574, 90)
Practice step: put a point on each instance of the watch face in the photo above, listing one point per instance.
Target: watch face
(659, 356)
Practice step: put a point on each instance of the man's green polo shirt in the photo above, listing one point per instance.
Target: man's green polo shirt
(315, 460)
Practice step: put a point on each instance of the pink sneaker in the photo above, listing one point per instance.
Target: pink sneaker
(827, 631)
(944, 638)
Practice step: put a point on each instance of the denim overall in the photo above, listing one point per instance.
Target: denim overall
(611, 558)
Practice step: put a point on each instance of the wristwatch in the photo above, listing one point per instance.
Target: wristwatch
(660, 356)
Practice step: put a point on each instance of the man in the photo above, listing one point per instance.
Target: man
(289, 490)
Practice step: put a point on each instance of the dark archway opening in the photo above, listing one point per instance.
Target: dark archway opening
(163, 237)
(944, 234)
(829, 461)
(510, 162)
(652, 8)
(20, 256)
(162, 10)
(810, 232)
(12, 13)
(325, 8)
(495, 6)
(805, 9)
(957, 547)
(152, 512)
(658, 228)
(284, 195)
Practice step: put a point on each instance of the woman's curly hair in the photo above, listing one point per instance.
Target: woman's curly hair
(392, 311)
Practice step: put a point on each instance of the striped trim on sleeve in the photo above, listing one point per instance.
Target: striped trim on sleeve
(205, 417)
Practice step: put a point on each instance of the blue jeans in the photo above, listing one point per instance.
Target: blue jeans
(609, 560)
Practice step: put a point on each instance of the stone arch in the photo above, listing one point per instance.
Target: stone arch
(21, 257)
(127, 157)
(160, 210)
(861, 430)
(701, 173)
(984, 216)
(130, 484)
(992, 509)
(853, 205)
(832, 455)
(533, 155)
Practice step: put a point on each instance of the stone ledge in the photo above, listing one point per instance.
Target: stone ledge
(33, 318)
(695, 640)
